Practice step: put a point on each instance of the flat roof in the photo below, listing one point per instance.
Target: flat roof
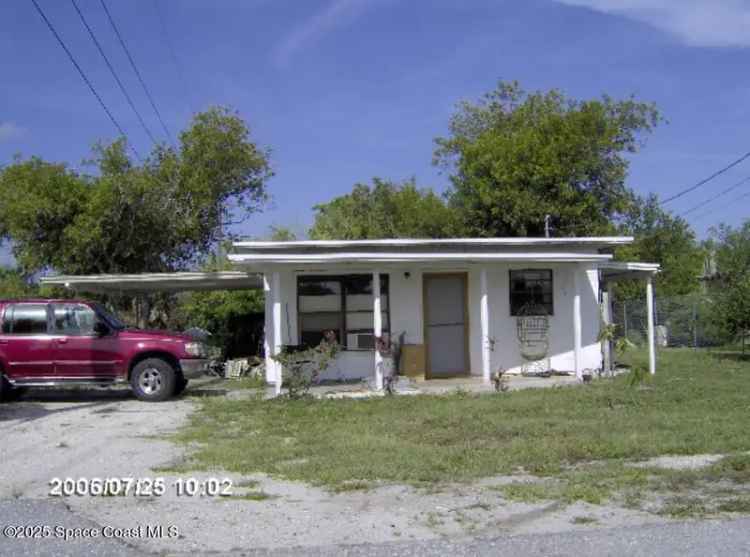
(158, 282)
(594, 241)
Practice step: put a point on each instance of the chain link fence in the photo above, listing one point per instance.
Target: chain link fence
(681, 321)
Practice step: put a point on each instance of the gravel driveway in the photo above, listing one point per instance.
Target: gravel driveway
(99, 433)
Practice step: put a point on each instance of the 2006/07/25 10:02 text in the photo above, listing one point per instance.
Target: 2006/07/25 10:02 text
(139, 487)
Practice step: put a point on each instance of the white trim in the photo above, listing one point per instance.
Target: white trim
(220, 280)
(268, 331)
(577, 331)
(650, 321)
(602, 240)
(276, 290)
(377, 318)
(630, 266)
(484, 316)
(297, 258)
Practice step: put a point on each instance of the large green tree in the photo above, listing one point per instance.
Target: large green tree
(663, 238)
(384, 209)
(162, 214)
(731, 285)
(514, 157)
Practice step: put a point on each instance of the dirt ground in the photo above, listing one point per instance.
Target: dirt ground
(99, 434)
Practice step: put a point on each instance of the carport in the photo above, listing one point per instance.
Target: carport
(138, 285)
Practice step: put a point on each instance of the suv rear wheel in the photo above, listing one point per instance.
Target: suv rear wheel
(153, 380)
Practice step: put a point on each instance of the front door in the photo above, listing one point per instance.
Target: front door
(80, 352)
(446, 323)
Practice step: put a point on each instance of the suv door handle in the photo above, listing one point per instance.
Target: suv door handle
(62, 340)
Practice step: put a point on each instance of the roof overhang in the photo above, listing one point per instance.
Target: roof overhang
(261, 255)
(262, 259)
(157, 282)
(450, 243)
(612, 271)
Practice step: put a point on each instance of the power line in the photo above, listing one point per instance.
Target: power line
(135, 69)
(170, 46)
(113, 72)
(83, 76)
(733, 202)
(717, 196)
(705, 180)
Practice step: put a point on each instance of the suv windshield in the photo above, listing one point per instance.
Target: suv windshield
(110, 318)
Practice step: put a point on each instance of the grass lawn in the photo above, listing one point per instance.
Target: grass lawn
(697, 403)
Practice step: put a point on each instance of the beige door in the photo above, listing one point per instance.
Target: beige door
(446, 324)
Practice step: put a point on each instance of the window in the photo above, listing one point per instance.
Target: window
(73, 319)
(531, 289)
(25, 319)
(342, 304)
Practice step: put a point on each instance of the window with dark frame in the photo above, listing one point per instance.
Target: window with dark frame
(342, 303)
(531, 287)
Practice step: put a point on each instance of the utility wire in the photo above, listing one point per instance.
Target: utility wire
(83, 76)
(137, 73)
(717, 196)
(731, 203)
(113, 72)
(170, 46)
(705, 180)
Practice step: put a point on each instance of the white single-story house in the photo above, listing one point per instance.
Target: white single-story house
(466, 307)
(458, 307)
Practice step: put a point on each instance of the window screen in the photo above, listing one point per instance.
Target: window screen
(342, 304)
(531, 289)
(25, 319)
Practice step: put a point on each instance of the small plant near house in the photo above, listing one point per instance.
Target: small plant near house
(638, 375)
(391, 352)
(500, 380)
(302, 367)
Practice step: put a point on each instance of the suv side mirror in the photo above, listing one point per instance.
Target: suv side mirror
(101, 329)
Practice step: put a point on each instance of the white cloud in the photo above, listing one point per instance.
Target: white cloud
(712, 23)
(336, 14)
(10, 131)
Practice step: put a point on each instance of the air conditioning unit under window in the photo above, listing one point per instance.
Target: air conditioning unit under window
(360, 341)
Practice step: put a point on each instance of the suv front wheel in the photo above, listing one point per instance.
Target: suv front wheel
(153, 380)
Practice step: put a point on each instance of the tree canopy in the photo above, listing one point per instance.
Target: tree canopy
(514, 157)
(662, 238)
(731, 291)
(385, 209)
(161, 215)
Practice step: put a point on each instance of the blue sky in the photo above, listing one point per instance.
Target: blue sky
(344, 90)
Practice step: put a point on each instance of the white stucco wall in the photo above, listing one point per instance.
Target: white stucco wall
(406, 314)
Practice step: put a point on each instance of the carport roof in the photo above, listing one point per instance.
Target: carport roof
(158, 282)
(613, 271)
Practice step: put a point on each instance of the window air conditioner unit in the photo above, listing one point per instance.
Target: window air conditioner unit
(360, 341)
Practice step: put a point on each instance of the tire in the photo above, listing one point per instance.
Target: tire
(153, 380)
(8, 393)
(180, 385)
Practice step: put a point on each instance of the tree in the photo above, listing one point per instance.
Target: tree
(224, 312)
(731, 292)
(161, 215)
(13, 285)
(384, 210)
(661, 238)
(514, 157)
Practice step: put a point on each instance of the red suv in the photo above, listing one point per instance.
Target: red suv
(66, 342)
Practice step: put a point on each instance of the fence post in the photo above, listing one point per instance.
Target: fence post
(625, 318)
